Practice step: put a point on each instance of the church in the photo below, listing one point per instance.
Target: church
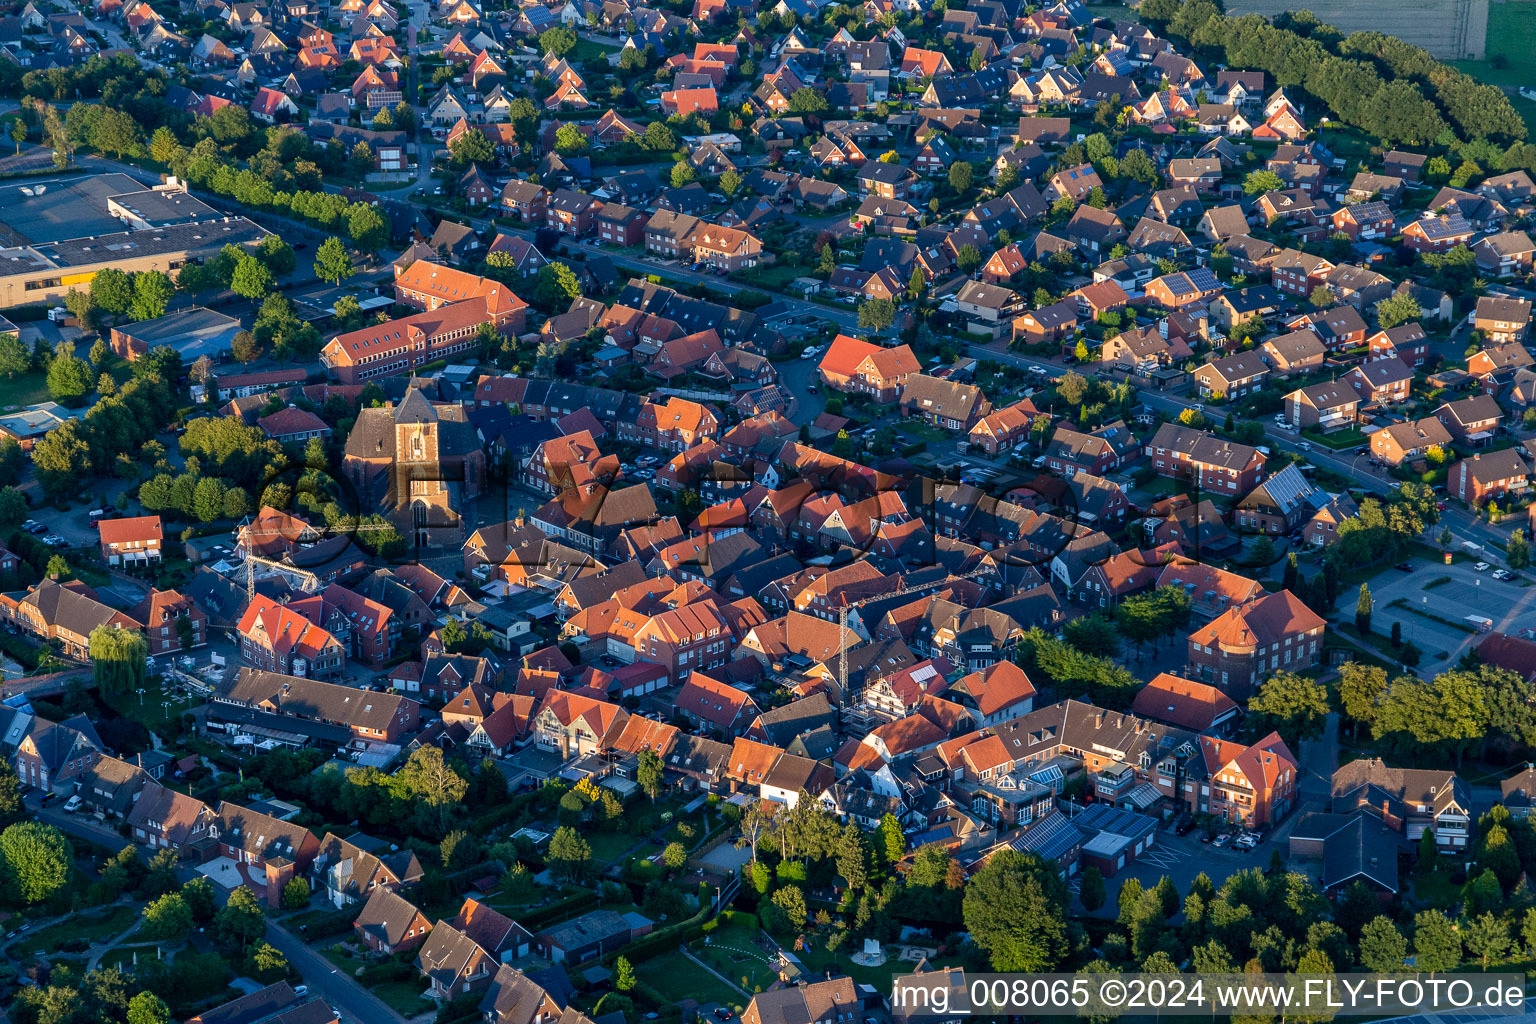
(417, 464)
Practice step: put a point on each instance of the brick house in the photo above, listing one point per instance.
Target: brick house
(1501, 319)
(1489, 476)
(572, 213)
(163, 612)
(1212, 464)
(1406, 800)
(1404, 442)
(621, 225)
(389, 923)
(130, 542)
(1329, 406)
(1243, 646)
(1234, 375)
(1253, 786)
(1471, 421)
(277, 639)
(857, 367)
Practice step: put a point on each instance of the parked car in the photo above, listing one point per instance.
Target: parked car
(1221, 840)
(1404, 567)
(72, 804)
(1481, 567)
(1184, 825)
(1501, 574)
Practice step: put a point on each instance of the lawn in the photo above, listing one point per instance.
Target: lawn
(125, 957)
(1337, 440)
(404, 997)
(151, 710)
(735, 952)
(91, 927)
(609, 846)
(1435, 889)
(818, 961)
(676, 978)
(1511, 37)
(23, 389)
(587, 50)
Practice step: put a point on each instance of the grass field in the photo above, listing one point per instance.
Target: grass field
(1512, 37)
(404, 997)
(676, 977)
(22, 389)
(91, 927)
(734, 952)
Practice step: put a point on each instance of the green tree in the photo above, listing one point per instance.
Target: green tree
(112, 290)
(730, 183)
(558, 40)
(1436, 946)
(251, 279)
(569, 139)
(34, 862)
(806, 100)
(682, 174)
(14, 356)
(199, 896)
(1259, 182)
(961, 176)
(167, 919)
(1363, 607)
(890, 841)
(241, 922)
(69, 376)
(1397, 309)
(1487, 938)
(877, 314)
(1293, 705)
(118, 658)
(295, 894)
(1014, 908)
(148, 1008)
(333, 262)
(244, 348)
(1518, 551)
(152, 290)
(1321, 297)
(12, 809)
(789, 901)
(1092, 889)
(650, 773)
(623, 975)
(570, 853)
(556, 286)
(674, 856)
(968, 258)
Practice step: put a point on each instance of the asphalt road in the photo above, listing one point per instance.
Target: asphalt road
(340, 990)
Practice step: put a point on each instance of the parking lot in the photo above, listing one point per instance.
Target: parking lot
(1442, 596)
(1181, 858)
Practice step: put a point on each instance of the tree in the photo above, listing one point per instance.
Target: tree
(69, 376)
(148, 1008)
(367, 227)
(1397, 309)
(430, 778)
(241, 921)
(1014, 908)
(916, 284)
(471, 147)
(1259, 182)
(960, 176)
(1321, 296)
(1092, 889)
(1072, 388)
(1518, 551)
(1291, 704)
(295, 894)
(18, 132)
(806, 100)
(333, 262)
(623, 974)
(1436, 946)
(569, 139)
(14, 356)
(1363, 607)
(556, 286)
(650, 773)
(730, 183)
(789, 902)
(199, 897)
(11, 808)
(674, 856)
(244, 348)
(1382, 946)
(890, 841)
(167, 919)
(1487, 938)
(112, 290)
(1361, 687)
(251, 279)
(118, 658)
(34, 862)
(570, 852)
(683, 174)
(152, 290)
(877, 314)
(968, 258)
(558, 40)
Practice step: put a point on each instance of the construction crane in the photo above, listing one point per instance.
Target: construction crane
(309, 582)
